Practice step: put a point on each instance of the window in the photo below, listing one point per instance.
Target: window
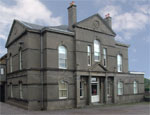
(105, 57)
(62, 57)
(120, 88)
(11, 90)
(11, 66)
(2, 71)
(81, 89)
(20, 59)
(119, 63)
(63, 90)
(96, 50)
(135, 87)
(20, 91)
(109, 90)
(89, 55)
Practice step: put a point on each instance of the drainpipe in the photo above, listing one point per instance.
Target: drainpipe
(41, 71)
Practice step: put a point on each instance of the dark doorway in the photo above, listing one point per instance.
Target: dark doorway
(2, 93)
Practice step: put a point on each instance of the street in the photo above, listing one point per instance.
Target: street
(126, 109)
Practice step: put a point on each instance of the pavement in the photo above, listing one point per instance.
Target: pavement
(142, 108)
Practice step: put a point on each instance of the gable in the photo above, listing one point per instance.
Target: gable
(97, 23)
(98, 67)
(17, 29)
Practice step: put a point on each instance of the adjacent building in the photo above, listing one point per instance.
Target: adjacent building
(68, 66)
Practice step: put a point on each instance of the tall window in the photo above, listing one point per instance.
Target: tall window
(11, 66)
(96, 50)
(119, 63)
(120, 88)
(20, 59)
(20, 91)
(89, 55)
(105, 57)
(2, 71)
(63, 90)
(62, 57)
(135, 87)
(81, 88)
(11, 90)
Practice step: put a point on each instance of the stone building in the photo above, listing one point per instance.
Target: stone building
(68, 66)
(3, 78)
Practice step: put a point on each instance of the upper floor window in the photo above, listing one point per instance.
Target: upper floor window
(62, 57)
(105, 57)
(89, 55)
(20, 59)
(11, 63)
(96, 50)
(119, 63)
(63, 90)
(2, 71)
(135, 87)
(120, 88)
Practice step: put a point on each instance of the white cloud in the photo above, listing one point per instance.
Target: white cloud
(27, 10)
(127, 23)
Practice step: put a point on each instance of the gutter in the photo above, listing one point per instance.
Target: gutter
(41, 71)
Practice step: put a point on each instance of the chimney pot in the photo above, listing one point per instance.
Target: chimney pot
(108, 20)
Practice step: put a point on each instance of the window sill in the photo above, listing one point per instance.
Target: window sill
(62, 68)
(63, 97)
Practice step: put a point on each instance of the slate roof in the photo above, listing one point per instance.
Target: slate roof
(39, 27)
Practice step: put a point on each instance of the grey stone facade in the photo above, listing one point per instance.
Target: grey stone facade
(39, 74)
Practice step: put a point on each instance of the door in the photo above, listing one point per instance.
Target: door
(95, 97)
(2, 93)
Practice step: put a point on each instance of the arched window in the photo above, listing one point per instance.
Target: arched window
(62, 57)
(63, 90)
(20, 59)
(10, 63)
(20, 90)
(96, 50)
(135, 87)
(120, 88)
(119, 63)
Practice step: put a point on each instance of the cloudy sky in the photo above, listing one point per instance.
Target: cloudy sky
(130, 18)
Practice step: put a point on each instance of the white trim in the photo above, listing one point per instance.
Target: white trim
(137, 73)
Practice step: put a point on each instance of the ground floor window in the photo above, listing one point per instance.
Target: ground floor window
(20, 90)
(120, 88)
(135, 87)
(63, 90)
(81, 89)
(11, 90)
(109, 88)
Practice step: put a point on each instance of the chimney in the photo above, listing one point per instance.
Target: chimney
(72, 16)
(108, 20)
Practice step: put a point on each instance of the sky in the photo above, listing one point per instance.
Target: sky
(130, 21)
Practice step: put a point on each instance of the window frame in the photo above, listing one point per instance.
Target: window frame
(20, 59)
(135, 91)
(59, 58)
(97, 44)
(2, 71)
(81, 88)
(20, 90)
(119, 64)
(105, 57)
(11, 90)
(120, 89)
(11, 63)
(89, 55)
(60, 97)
